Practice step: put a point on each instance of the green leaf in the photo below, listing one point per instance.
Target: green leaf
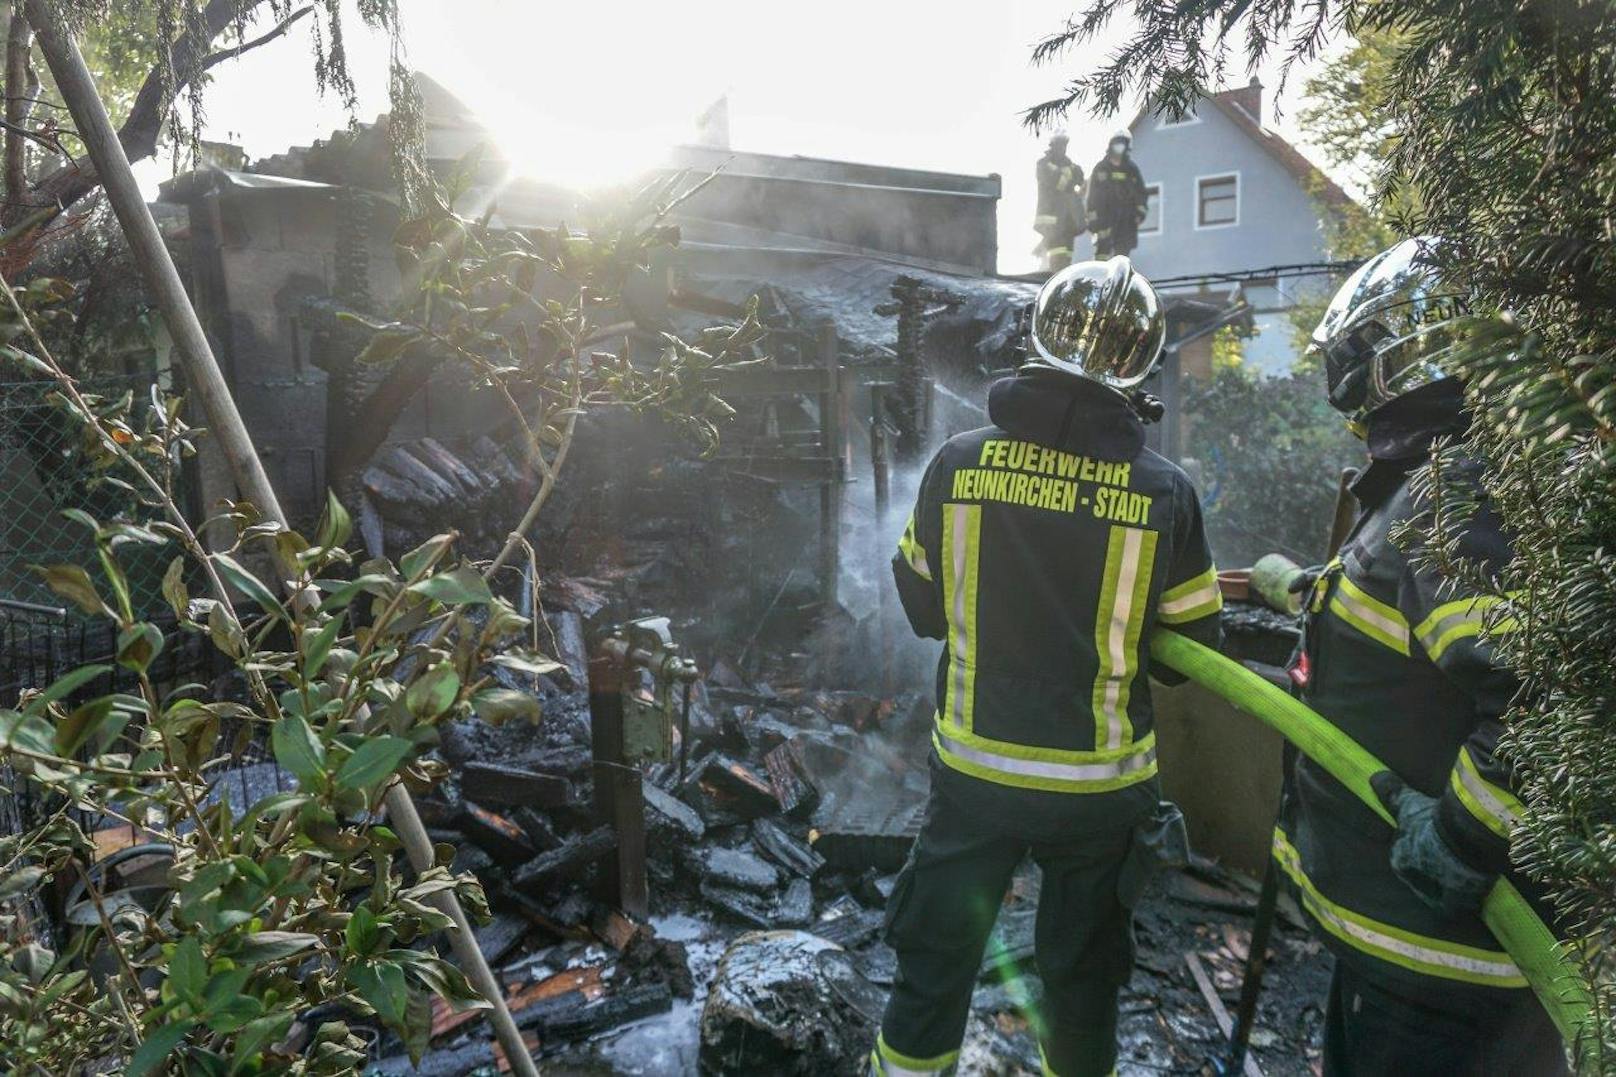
(382, 985)
(419, 561)
(188, 970)
(21, 881)
(155, 1051)
(298, 749)
(179, 599)
(64, 686)
(335, 526)
(28, 361)
(528, 662)
(74, 584)
(138, 645)
(30, 732)
(498, 705)
(76, 728)
(238, 577)
(461, 586)
(343, 591)
(433, 692)
(361, 933)
(375, 760)
(317, 647)
(257, 1035)
(386, 346)
(273, 945)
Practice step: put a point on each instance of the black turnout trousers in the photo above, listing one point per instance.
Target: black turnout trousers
(946, 900)
(1376, 1029)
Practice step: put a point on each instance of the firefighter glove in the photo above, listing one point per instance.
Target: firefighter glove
(1426, 863)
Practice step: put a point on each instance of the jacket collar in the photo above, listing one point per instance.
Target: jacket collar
(1068, 412)
(1401, 432)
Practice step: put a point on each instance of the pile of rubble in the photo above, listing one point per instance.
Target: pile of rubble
(772, 843)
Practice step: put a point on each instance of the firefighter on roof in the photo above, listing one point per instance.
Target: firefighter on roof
(1044, 550)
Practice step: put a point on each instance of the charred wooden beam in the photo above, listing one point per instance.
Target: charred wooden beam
(546, 869)
(508, 786)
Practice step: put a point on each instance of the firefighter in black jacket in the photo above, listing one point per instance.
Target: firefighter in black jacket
(1117, 199)
(1061, 218)
(1044, 550)
(1397, 655)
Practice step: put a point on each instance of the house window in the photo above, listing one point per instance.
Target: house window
(1217, 201)
(1153, 210)
(1189, 117)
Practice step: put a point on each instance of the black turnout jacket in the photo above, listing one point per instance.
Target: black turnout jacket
(1044, 550)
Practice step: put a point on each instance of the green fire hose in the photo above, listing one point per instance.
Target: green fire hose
(1519, 929)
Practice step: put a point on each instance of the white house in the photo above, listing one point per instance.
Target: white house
(1229, 195)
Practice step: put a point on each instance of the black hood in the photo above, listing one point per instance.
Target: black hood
(1404, 427)
(1400, 435)
(1064, 411)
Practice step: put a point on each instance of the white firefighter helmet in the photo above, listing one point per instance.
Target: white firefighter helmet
(1121, 134)
(1388, 328)
(1099, 320)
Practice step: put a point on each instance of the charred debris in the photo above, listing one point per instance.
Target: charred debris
(689, 861)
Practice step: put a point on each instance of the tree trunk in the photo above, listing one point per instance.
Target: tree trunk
(21, 84)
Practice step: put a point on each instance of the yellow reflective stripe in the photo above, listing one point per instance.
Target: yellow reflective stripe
(1130, 559)
(1418, 953)
(1494, 806)
(1453, 621)
(887, 1061)
(1191, 600)
(962, 538)
(1369, 615)
(1050, 769)
(913, 552)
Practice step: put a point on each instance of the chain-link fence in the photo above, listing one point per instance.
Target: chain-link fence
(44, 470)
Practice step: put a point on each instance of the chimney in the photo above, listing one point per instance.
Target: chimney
(1248, 97)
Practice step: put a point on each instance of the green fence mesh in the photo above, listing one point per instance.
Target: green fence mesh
(43, 470)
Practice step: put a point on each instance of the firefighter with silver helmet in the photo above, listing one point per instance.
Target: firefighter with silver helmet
(1398, 654)
(1044, 550)
(1117, 199)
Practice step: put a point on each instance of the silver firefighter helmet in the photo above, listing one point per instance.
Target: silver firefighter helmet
(1388, 328)
(1099, 320)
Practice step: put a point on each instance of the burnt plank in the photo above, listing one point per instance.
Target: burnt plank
(556, 865)
(785, 849)
(508, 786)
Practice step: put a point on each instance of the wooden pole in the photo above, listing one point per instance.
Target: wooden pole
(206, 381)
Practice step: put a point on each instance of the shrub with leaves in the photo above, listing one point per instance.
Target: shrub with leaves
(1500, 118)
(1271, 450)
(272, 907)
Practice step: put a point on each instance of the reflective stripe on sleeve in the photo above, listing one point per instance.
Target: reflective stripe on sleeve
(1453, 621)
(1050, 769)
(1130, 558)
(1494, 807)
(962, 535)
(1369, 615)
(1418, 953)
(913, 552)
(885, 1062)
(1191, 600)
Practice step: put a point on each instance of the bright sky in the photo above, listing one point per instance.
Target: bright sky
(585, 92)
